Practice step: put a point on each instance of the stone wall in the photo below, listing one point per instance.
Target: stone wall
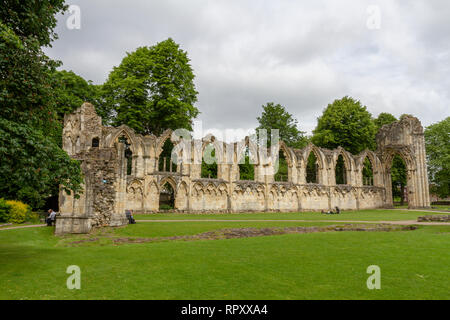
(109, 190)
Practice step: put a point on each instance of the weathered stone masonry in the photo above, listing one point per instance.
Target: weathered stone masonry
(109, 190)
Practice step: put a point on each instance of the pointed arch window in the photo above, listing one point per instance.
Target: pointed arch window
(128, 153)
(340, 171)
(367, 172)
(312, 169)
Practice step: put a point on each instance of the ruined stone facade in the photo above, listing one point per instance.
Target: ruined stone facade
(109, 190)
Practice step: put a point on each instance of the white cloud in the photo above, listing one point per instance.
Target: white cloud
(300, 54)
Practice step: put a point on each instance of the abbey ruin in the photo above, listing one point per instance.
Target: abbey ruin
(123, 170)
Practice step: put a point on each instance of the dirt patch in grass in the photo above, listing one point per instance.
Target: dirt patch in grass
(233, 233)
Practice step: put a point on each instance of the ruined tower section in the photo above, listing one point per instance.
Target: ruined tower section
(104, 176)
(406, 139)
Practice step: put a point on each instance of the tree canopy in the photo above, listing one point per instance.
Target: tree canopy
(33, 165)
(345, 123)
(275, 116)
(71, 91)
(152, 90)
(437, 142)
(32, 18)
(382, 119)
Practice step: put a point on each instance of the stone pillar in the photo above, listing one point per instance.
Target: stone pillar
(406, 138)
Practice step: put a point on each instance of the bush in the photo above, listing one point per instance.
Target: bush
(165, 207)
(33, 217)
(4, 210)
(19, 211)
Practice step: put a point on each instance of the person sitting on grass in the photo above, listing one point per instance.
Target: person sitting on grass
(51, 217)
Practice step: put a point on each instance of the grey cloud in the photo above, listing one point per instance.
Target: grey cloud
(302, 55)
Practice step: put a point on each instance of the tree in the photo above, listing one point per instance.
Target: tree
(152, 90)
(275, 116)
(345, 123)
(437, 142)
(209, 168)
(384, 118)
(71, 91)
(32, 19)
(32, 166)
(246, 168)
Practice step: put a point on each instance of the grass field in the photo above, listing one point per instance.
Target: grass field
(328, 265)
(366, 215)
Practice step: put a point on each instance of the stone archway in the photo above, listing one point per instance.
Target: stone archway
(167, 194)
(405, 138)
(409, 162)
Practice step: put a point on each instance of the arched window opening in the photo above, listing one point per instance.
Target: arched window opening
(340, 171)
(166, 197)
(246, 168)
(281, 168)
(312, 169)
(167, 162)
(209, 163)
(95, 142)
(399, 181)
(128, 154)
(367, 172)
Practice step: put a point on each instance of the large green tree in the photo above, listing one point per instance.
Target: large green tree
(71, 91)
(152, 90)
(345, 123)
(384, 118)
(32, 164)
(32, 19)
(437, 141)
(275, 116)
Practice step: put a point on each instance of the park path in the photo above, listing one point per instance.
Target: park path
(401, 222)
(418, 210)
(27, 226)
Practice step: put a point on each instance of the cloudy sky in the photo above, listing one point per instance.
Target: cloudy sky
(393, 56)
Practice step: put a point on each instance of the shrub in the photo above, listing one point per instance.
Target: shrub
(33, 217)
(165, 207)
(4, 210)
(19, 211)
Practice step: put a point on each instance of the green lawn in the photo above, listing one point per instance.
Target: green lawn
(414, 264)
(362, 215)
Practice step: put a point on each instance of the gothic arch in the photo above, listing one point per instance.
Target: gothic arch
(348, 159)
(218, 147)
(375, 163)
(167, 134)
(126, 131)
(317, 153)
(404, 152)
(170, 181)
(252, 150)
(181, 198)
(320, 160)
(290, 159)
